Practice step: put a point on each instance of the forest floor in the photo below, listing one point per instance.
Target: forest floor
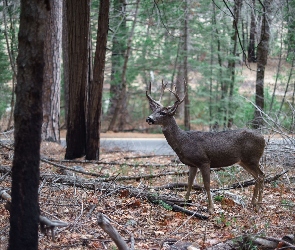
(152, 225)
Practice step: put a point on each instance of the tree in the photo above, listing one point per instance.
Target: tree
(120, 107)
(118, 52)
(187, 124)
(52, 73)
(232, 60)
(96, 85)
(251, 47)
(24, 212)
(262, 54)
(78, 20)
(65, 58)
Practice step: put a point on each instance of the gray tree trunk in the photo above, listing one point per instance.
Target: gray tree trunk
(52, 73)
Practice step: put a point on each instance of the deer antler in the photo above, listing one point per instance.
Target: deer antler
(173, 108)
(153, 103)
(164, 85)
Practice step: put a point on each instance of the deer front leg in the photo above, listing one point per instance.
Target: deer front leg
(191, 178)
(205, 170)
(258, 191)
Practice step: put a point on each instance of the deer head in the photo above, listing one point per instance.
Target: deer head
(161, 113)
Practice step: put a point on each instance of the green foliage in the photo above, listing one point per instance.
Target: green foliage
(165, 205)
(218, 198)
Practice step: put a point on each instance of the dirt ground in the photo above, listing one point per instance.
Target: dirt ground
(152, 225)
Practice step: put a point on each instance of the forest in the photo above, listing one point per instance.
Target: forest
(73, 73)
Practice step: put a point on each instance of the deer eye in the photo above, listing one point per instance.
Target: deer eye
(163, 113)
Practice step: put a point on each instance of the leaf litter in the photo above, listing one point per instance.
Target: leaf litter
(151, 224)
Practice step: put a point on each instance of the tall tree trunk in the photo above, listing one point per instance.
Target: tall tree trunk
(232, 62)
(52, 73)
(251, 48)
(220, 81)
(78, 20)
(262, 54)
(118, 52)
(123, 94)
(187, 124)
(278, 70)
(96, 86)
(65, 62)
(24, 211)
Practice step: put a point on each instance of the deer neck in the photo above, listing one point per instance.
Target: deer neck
(173, 134)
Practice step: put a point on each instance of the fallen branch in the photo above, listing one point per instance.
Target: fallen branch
(114, 188)
(252, 182)
(178, 185)
(121, 178)
(144, 156)
(45, 223)
(253, 241)
(177, 208)
(69, 168)
(105, 224)
(144, 176)
(117, 163)
(5, 169)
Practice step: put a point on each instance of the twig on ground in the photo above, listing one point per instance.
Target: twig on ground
(104, 223)
(178, 185)
(45, 223)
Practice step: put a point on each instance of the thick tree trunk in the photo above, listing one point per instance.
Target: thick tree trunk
(96, 86)
(24, 213)
(251, 47)
(262, 54)
(52, 73)
(78, 18)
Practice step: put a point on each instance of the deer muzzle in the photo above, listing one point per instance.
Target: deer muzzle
(150, 120)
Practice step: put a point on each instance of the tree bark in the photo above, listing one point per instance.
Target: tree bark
(232, 62)
(118, 52)
(78, 19)
(187, 124)
(24, 215)
(65, 58)
(262, 54)
(251, 48)
(52, 73)
(96, 86)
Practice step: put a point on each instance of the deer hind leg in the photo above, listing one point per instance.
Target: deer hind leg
(254, 170)
(191, 178)
(205, 170)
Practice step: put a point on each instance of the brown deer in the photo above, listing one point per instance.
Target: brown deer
(209, 149)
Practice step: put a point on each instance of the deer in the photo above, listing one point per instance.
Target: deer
(205, 150)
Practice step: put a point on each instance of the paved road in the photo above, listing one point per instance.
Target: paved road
(157, 146)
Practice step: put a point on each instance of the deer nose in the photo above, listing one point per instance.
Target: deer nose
(150, 120)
